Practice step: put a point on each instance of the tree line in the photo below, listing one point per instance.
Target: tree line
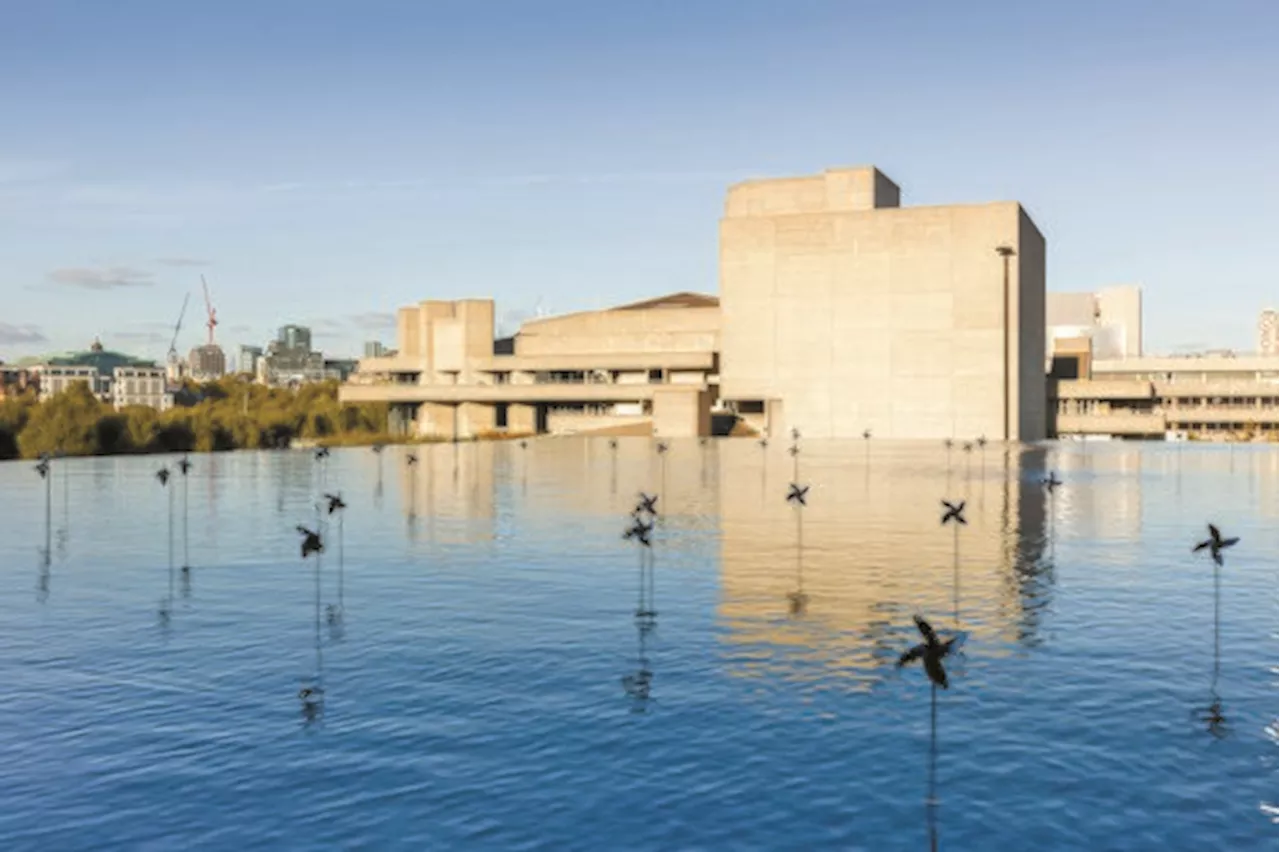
(228, 414)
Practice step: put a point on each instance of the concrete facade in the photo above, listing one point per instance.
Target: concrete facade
(842, 311)
(1111, 318)
(1268, 333)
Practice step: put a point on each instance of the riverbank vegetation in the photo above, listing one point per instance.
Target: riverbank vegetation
(228, 414)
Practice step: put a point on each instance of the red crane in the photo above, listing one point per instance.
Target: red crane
(212, 321)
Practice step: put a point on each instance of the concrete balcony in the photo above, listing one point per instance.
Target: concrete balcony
(1112, 423)
(1104, 389)
(517, 393)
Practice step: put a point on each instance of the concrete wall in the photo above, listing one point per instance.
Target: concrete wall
(568, 423)
(680, 412)
(640, 330)
(888, 319)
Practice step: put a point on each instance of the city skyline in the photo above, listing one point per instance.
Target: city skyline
(577, 157)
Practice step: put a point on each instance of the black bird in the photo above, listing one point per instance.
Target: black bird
(1052, 481)
(955, 512)
(931, 650)
(613, 443)
(639, 531)
(794, 450)
(322, 453)
(866, 434)
(184, 466)
(411, 459)
(764, 443)
(702, 442)
(948, 443)
(311, 542)
(968, 447)
(1215, 543)
(798, 494)
(163, 475)
(663, 447)
(524, 445)
(307, 693)
(377, 448)
(647, 504)
(795, 434)
(335, 502)
(43, 467)
(982, 441)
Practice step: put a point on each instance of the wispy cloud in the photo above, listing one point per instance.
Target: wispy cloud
(19, 335)
(108, 278)
(182, 261)
(374, 321)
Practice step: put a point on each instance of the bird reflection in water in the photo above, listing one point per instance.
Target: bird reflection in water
(613, 466)
(638, 685)
(411, 461)
(46, 553)
(524, 466)
(931, 653)
(377, 489)
(641, 532)
(166, 605)
(312, 692)
(797, 497)
(954, 515)
(184, 468)
(63, 534)
(335, 612)
(1212, 716)
(662, 448)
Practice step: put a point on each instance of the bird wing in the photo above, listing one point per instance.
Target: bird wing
(933, 667)
(911, 655)
(1201, 546)
(1227, 542)
(1213, 531)
(925, 630)
(960, 508)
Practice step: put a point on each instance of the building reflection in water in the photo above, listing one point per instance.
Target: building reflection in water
(875, 554)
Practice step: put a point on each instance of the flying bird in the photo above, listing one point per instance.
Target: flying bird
(647, 505)
(663, 447)
(524, 445)
(311, 542)
(794, 450)
(1052, 481)
(43, 467)
(1215, 543)
(968, 447)
(613, 443)
(866, 434)
(798, 494)
(163, 475)
(764, 442)
(335, 502)
(931, 650)
(795, 434)
(377, 448)
(411, 459)
(982, 441)
(184, 465)
(702, 442)
(955, 512)
(948, 443)
(322, 453)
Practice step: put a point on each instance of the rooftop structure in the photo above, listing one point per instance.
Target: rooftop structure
(1111, 318)
(1268, 333)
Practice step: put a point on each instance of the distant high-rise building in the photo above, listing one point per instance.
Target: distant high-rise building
(248, 361)
(295, 337)
(1268, 333)
(208, 362)
(374, 349)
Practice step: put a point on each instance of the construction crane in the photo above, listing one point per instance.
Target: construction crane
(177, 327)
(212, 321)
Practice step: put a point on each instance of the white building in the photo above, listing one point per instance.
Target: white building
(1268, 333)
(140, 386)
(54, 379)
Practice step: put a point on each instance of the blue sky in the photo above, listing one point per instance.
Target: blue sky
(323, 163)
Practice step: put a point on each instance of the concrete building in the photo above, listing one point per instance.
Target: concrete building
(1209, 397)
(53, 379)
(1110, 318)
(289, 360)
(1268, 333)
(374, 349)
(140, 385)
(294, 337)
(207, 362)
(843, 311)
(647, 367)
(839, 311)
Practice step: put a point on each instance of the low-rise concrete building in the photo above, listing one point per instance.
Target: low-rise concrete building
(648, 366)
